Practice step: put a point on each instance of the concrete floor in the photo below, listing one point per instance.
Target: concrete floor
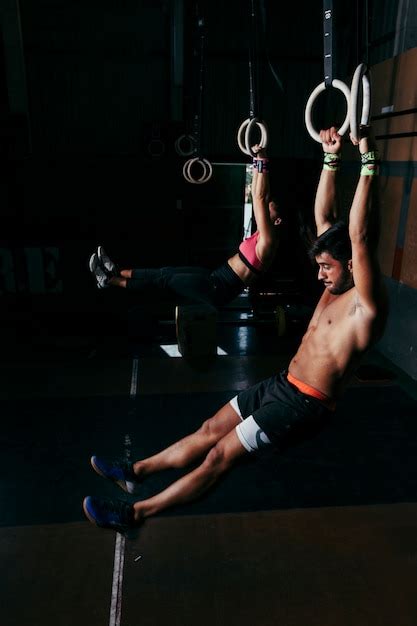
(327, 565)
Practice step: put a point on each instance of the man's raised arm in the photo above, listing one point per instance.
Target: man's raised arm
(363, 226)
(325, 206)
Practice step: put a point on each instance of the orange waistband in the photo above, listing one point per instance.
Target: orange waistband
(311, 391)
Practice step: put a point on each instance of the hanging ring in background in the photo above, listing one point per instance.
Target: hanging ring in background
(185, 171)
(247, 126)
(185, 145)
(205, 165)
(156, 147)
(337, 84)
(361, 72)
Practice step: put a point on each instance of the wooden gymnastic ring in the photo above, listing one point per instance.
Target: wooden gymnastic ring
(247, 126)
(361, 72)
(207, 170)
(337, 84)
(192, 145)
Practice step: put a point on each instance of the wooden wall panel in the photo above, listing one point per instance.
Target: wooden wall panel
(391, 196)
(397, 148)
(409, 264)
(394, 93)
(394, 89)
(394, 84)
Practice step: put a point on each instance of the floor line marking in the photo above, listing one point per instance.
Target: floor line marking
(134, 378)
(116, 593)
(120, 544)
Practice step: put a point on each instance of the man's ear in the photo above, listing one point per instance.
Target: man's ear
(350, 267)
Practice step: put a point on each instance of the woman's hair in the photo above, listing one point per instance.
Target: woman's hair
(336, 241)
(278, 208)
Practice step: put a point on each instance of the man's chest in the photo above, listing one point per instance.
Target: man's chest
(334, 322)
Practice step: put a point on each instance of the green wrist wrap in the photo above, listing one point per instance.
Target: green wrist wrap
(370, 163)
(331, 162)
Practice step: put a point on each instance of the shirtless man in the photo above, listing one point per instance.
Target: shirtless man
(284, 409)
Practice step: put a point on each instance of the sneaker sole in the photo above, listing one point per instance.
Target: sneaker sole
(92, 264)
(87, 513)
(119, 483)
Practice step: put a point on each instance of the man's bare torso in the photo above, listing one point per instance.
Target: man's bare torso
(340, 331)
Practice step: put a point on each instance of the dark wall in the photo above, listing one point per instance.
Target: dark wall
(92, 159)
(99, 75)
(99, 164)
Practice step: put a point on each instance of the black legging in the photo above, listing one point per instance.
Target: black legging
(192, 285)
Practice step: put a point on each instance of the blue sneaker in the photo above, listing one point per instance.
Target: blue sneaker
(119, 472)
(106, 513)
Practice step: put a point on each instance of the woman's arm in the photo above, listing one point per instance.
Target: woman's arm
(260, 199)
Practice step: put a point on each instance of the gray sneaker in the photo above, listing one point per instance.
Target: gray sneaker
(105, 261)
(98, 272)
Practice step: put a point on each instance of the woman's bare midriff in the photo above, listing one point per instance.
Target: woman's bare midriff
(244, 273)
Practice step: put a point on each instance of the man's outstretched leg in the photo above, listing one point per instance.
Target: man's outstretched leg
(121, 516)
(178, 455)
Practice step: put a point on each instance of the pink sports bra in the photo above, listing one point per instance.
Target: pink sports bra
(247, 253)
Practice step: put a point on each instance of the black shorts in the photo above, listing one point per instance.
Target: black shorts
(286, 415)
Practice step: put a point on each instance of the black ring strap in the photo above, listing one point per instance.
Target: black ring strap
(328, 41)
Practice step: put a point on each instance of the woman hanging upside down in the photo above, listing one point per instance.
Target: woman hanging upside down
(199, 285)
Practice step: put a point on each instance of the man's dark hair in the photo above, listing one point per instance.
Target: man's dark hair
(336, 241)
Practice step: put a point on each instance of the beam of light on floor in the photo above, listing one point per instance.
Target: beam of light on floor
(172, 350)
(243, 337)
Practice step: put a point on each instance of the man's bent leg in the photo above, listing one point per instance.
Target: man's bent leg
(219, 459)
(128, 475)
(190, 448)
(121, 516)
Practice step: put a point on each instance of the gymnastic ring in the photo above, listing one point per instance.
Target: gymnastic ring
(207, 170)
(264, 135)
(361, 72)
(186, 170)
(158, 147)
(337, 84)
(248, 125)
(239, 136)
(191, 142)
